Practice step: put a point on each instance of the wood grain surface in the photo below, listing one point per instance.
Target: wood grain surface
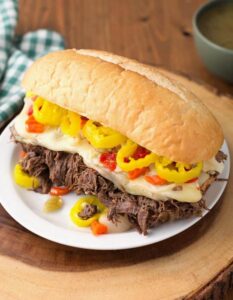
(193, 265)
(152, 31)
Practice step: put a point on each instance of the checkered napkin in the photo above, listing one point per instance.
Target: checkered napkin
(16, 54)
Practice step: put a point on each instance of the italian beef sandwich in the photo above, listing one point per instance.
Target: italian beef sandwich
(119, 131)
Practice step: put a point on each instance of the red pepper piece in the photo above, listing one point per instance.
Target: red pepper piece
(140, 152)
(156, 180)
(33, 126)
(108, 159)
(137, 172)
(97, 228)
(30, 110)
(126, 159)
(59, 191)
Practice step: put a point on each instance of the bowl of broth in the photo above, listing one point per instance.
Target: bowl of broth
(213, 35)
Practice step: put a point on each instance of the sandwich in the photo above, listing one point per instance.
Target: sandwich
(111, 128)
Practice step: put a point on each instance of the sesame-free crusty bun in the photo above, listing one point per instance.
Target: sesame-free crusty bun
(130, 97)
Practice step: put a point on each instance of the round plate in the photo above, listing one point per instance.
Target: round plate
(26, 208)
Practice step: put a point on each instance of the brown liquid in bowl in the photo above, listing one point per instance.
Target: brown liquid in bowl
(216, 24)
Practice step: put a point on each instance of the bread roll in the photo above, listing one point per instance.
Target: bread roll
(130, 97)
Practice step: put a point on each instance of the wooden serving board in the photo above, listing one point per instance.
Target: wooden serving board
(196, 264)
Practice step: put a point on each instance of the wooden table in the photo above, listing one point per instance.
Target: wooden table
(154, 32)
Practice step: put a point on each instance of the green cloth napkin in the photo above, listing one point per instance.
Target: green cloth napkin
(16, 55)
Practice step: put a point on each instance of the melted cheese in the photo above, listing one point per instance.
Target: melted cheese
(54, 139)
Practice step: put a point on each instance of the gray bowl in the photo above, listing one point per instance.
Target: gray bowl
(218, 60)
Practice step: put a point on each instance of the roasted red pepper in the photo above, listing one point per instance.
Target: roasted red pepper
(97, 228)
(140, 152)
(137, 172)
(33, 126)
(108, 159)
(59, 191)
(30, 111)
(156, 180)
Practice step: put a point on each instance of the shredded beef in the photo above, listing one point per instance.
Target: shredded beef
(34, 164)
(205, 185)
(69, 170)
(220, 156)
(45, 184)
(88, 211)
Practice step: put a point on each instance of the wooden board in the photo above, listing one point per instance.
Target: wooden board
(196, 264)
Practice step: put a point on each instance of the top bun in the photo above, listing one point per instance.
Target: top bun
(132, 98)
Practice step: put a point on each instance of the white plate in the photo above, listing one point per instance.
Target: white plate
(26, 208)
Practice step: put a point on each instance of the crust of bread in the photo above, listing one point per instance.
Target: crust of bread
(132, 98)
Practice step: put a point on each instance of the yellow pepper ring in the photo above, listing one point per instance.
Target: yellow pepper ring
(47, 113)
(102, 137)
(126, 151)
(71, 124)
(177, 172)
(23, 179)
(79, 206)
